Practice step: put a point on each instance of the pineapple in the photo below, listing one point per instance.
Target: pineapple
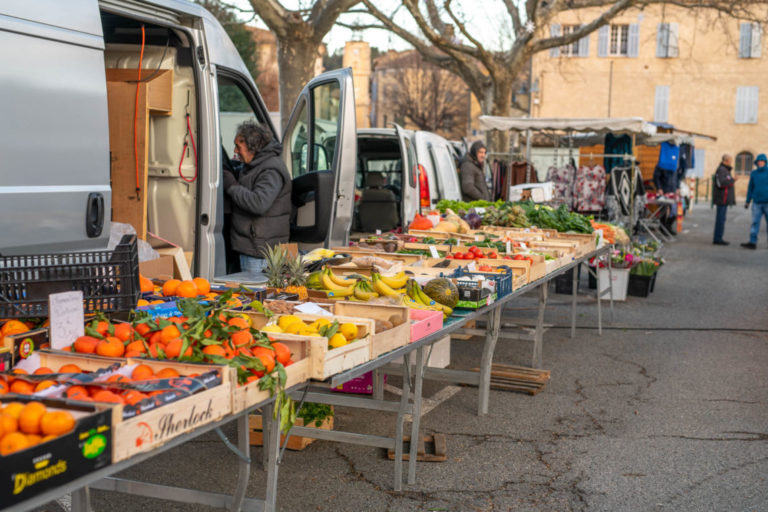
(295, 275)
(276, 258)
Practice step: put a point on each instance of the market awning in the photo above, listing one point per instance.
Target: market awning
(584, 124)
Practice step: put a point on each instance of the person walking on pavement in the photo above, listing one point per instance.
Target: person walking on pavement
(757, 191)
(723, 196)
(471, 174)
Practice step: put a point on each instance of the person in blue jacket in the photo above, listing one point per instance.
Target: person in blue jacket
(757, 191)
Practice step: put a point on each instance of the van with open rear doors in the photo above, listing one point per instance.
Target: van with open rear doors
(126, 111)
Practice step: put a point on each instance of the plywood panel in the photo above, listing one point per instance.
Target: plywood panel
(160, 95)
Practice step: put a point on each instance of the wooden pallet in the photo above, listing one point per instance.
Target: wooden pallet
(507, 377)
(435, 443)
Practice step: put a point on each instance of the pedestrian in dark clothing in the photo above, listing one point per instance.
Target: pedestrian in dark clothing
(723, 196)
(260, 196)
(757, 191)
(471, 174)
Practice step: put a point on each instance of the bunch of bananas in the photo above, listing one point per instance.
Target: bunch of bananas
(415, 298)
(318, 254)
(360, 287)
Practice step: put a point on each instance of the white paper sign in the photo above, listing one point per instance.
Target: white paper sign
(523, 246)
(509, 247)
(433, 251)
(67, 318)
(378, 231)
(310, 308)
(480, 211)
(471, 266)
(600, 238)
(478, 238)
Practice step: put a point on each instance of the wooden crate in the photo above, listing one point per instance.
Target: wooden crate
(392, 256)
(294, 442)
(386, 341)
(55, 359)
(442, 235)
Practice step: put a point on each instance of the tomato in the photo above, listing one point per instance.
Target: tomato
(449, 256)
(469, 256)
(492, 254)
(507, 257)
(518, 257)
(458, 256)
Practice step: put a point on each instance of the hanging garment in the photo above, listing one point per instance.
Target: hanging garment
(616, 145)
(562, 179)
(669, 157)
(589, 189)
(519, 170)
(621, 187)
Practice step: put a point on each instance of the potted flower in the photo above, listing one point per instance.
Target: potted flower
(618, 280)
(642, 276)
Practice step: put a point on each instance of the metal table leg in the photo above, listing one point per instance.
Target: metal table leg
(574, 294)
(492, 335)
(401, 412)
(599, 311)
(538, 337)
(416, 414)
(378, 384)
(81, 500)
(272, 447)
(266, 425)
(610, 282)
(243, 465)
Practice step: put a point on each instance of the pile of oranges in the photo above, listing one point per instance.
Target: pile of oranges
(23, 425)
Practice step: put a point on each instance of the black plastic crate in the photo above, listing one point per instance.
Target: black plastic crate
(640, 286)
(109, 280)
(564, 281)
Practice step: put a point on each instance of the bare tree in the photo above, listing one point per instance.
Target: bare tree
(430, 98)
(490, 73)
(299, 35)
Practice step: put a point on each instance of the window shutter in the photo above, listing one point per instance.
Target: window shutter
(662, 40)
(756, 41)
(661, 104)
(634, 40)
(752, 104)
(584, 46)
(554, 31)
(745, 97)
(672, 45)
(745, 40)
(602, 40)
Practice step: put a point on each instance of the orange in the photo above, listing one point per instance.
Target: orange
(243, 337)
(8, 424)
(86, 344)
(134, 353)
(142, 372)
(155, 337)
(110, 347)
(123, 332)
(155, 349)
(266, 358)
(238, 321)
(169, 332)
(19, 371)
(22, 387)
(105, 395)
(118, 378)
(187, 289)
(13, 409)
(34, 439)
(43, 370)
(146, 284)
(56, 423)
(215, 350)
(142, 302)
(13, 442)
(143, 329)
(173, 349)
(29, 419)
(169, 287)
(70, 368)
(102, 327)
(45, 384)
(4, 387)
(282, 352)
(136, 346)
(77, 393)
(167, 373)
(132, 397)
(203, 286)
(13, 327)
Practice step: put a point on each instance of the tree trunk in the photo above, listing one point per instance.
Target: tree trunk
(500, 105)
(296, 62)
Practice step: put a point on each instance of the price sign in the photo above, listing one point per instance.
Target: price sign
(378, 231)
(509, 247)
(67, 318)
(433, 251)
(523, 246)
(471, 267)
(480, 211)
(311, 308)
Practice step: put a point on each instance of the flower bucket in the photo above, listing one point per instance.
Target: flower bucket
(640, 286)
(619, 284)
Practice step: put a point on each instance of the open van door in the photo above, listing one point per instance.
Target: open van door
(409, 191)
(320, 151)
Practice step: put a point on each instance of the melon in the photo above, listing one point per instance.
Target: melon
(442, 290)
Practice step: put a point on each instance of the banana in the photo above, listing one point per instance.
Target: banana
(382, 288)
(343, 292)
(364, 292)
(341, 281)
(425, 299)
(329, 284)
(408, 301)
(396, 281)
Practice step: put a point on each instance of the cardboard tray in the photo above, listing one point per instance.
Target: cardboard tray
(381, 342)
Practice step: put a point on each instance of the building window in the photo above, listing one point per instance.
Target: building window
(747, 104)
(661, 104)
(743, 164)
(666, 40)
(619, 44)
(578, 48)
(750, 41)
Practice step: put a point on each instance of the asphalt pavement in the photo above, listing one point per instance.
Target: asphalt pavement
(667, 410)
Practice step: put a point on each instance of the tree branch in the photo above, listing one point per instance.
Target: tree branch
(436, 39)
(512, 9)
(434, 17)
(325, 13)
(273, 15)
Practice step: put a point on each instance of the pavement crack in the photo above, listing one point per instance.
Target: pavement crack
(745, 436)
(356, 474)
(642, 371)
(732, 400)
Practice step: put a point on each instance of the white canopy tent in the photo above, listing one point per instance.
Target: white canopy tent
(632, 125)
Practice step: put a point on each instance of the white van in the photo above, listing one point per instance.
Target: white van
(77, 153)
(401, 172)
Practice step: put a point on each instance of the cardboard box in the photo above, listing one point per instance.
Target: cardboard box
(181, 264)
(160, 268)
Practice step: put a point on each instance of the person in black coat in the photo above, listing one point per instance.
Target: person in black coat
(723, 196)
(471, 174)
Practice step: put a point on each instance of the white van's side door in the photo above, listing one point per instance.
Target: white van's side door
(54, 135)
(323, 193)
(409, 185)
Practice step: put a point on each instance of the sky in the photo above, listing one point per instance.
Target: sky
(489, 24)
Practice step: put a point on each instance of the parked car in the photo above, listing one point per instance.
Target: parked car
(70, 75)
(400, 172)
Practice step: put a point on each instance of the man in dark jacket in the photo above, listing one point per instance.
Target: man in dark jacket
(723, 196)
(260, 196)
(757, 191)
(471, 174)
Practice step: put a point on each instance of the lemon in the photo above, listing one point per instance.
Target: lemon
(271, 328)
(314, 327)
(337, 340)
(349, 331)
(286, 320)
(295, 327)
(321, 322)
